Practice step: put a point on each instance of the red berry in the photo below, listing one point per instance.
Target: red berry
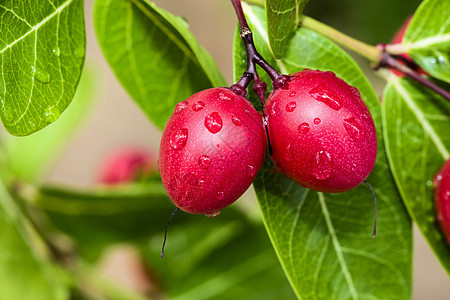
(442, 198)
(321, 132)
(126, 165)
(211, 149)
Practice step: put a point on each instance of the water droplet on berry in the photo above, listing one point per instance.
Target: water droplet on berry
(213, 122)
(290, 107)
(303, 128)
(198, 105)
(251, 170)
(220, 196)
(287, 153)
(213, 214)
(353, 129)
(275, 110)
(292, 94)
(317, 121)
(236, 120)
(180, 106)
(325, 94)
(179, 138)
(224, 97)
(204, 161)
(322, 165)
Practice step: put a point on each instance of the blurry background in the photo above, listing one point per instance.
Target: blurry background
(116, 122)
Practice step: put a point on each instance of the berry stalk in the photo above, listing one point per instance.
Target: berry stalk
(388, 61)
(253, 58)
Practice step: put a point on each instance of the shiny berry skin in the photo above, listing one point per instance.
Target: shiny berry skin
(211, 149)
(321, 132)
(441, 183)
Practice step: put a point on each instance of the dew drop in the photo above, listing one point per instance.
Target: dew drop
(317, 121)
(41, 75)
(198, 105)
(225, 97)
(220, 196)
(290, 107)
(213, 122)
(292, 94)
(180, 106)
(213, 214)
(52, 114)
(325, 94)
(287, 153)
(429, 183)
(204, 162)
(303, 128)
(353, 129)
(251, 170)
(236, 120)
(179, 138)
(322, 165)
(275, 109)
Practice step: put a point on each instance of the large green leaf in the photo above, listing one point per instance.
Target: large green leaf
(23, 275)
(154, 55)
(226, 257)
(123, 214)
(42, 48)
(27, 157)
(323, 240)
(282, 20)
(427, 38)
(417, 123)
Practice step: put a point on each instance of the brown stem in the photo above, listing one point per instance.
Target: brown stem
(388, 61)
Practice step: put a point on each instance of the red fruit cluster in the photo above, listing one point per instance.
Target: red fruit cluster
(321, 133)
(441, 182)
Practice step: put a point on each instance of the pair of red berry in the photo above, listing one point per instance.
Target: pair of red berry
(320, 130)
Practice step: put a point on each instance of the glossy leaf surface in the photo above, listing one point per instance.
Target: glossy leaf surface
(427, 38)
(417, 123)
(282, 20)
(153, 54)
(42, 48)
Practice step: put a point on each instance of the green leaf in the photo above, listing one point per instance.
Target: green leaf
(23, 275)
(416, 123)
(42, 48)
(123, 214)
(154, 55)
(282, 19)
(323, 241)
(427, 38)
(226, 257)
(27, 157)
